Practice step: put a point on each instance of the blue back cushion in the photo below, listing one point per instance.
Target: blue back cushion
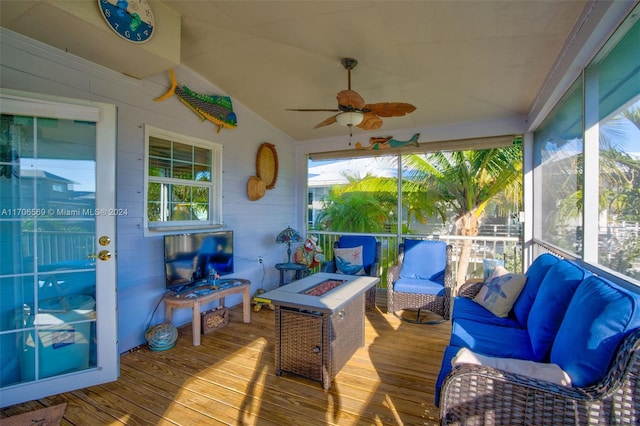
(599, 316)
(535, 274)
(423, 259)
(555, 293)
(368, 244)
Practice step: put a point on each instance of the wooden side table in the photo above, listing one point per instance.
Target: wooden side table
(204, 294)
(300, 271)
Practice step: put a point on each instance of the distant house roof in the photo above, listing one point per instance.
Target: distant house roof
(83, 195)
(336, 172)
(43, 174)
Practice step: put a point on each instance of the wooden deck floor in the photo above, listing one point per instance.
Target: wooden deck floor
(230, 379)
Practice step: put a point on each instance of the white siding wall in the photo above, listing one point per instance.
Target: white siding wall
(34, 67)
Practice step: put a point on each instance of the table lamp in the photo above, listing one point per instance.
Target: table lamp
(288, 236)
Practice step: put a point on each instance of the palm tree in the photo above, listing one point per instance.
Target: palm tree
(619, 179)
(619, 197)
(351, 208)
(465, 182)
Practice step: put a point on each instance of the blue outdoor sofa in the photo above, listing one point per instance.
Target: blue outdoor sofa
(581, 324)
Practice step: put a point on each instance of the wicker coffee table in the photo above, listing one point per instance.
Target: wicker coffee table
(319, 324)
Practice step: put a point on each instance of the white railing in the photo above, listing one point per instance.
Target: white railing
(483, 247)
(53, 247)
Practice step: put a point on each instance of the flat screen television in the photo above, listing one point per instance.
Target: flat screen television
(190, 258)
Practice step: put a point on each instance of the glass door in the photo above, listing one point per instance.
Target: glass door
(57, 247)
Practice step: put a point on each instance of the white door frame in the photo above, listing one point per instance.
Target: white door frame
(104, 115)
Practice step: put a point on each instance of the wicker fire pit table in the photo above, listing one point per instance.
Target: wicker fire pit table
(319, 324)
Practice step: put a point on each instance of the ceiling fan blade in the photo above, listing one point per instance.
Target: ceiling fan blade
(390, 109)
(370, 122)
(314, 109)
(326, 122)
(350, 99)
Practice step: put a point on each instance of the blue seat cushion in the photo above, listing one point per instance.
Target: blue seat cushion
(535, 274)
(505, 342)
(368, 244)
(424, 259)
(445, 368)
(599, 316)
(548, 310)
(418, 286)
(467, 308)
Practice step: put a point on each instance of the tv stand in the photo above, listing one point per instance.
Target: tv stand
(200, 295)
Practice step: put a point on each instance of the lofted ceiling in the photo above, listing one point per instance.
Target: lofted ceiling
(456, 61)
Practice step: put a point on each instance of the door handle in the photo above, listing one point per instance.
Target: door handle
(104, 255)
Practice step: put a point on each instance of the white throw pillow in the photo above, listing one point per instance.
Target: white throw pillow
(537, 370)
(349, 260)
(500, 291)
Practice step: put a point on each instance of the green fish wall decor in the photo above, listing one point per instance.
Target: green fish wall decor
(387, 142)
(217, 109)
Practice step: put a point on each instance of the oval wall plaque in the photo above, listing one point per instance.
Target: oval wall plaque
(267, 164)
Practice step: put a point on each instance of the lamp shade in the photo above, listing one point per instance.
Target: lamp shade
(349, 119)
(288, 236)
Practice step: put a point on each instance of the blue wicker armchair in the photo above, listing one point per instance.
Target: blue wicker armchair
(422, 279)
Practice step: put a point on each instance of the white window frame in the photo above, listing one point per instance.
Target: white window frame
(215, 184)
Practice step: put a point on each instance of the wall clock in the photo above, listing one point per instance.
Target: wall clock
(132, 20)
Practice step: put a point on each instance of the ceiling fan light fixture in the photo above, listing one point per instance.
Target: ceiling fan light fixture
(348, 119)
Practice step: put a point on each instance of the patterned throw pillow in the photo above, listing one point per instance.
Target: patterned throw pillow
(500, 291)
(349, 260)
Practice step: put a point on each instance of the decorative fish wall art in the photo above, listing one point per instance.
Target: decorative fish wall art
(387, 142)
(217, 109)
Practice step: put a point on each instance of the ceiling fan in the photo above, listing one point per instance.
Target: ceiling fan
(353, 111)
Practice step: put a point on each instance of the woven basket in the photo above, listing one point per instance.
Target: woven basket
(255, 188)
(214, 319)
